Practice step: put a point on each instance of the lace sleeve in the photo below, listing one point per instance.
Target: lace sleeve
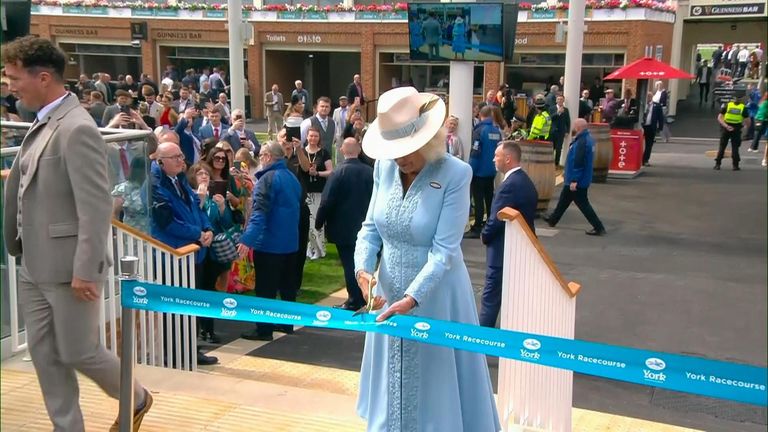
(446, 246)
(368, 239)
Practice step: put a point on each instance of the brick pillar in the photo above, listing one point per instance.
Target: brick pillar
(255, 85)
(492, 77)
(368, 73)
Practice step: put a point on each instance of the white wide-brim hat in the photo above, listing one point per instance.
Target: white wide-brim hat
(405, 121)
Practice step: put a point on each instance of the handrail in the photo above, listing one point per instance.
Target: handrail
(510, 214)
(180, 252)
(113, 135)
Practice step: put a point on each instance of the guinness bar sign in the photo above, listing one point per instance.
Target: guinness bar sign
(728, 10)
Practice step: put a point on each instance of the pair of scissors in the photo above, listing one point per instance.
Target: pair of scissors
(368, 308)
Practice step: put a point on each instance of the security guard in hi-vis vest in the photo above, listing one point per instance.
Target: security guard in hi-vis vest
(542, 123)
(732, 117)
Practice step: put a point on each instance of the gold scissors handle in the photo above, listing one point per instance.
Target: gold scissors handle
(368, 308)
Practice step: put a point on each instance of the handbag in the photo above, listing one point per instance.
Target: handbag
(224, 246)
(242, 275)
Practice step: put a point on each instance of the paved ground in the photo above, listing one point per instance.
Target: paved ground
(682, 270)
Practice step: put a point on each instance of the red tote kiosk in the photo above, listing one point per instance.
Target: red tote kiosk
(627, 161)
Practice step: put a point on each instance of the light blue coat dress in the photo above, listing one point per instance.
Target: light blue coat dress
(404, 385)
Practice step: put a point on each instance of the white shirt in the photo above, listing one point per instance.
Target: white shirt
(657, 97)
(743, 55)
(308, 122)
(46, 109)
(508, 173)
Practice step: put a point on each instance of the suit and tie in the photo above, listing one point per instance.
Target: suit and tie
(355, 90)
(342, 210)
(209, 131)
(57, 217)
(120, 156)
(109, 113)
(190, 142)
(274, 106)
(233, 138)
(340, 123)
(516, 191)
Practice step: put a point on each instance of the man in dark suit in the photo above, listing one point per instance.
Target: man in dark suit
(238, 136)
(188, 129)
(704, 78)
(342, 209)
(355, 90)
(516, 191)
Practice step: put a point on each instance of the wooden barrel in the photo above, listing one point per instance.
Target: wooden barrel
(521, 106)
(538, 161)
(601, 133)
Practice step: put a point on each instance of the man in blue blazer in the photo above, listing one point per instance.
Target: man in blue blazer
(342, 209)
(238, 136)
(518, 192)
(188, 129)
(215, 128)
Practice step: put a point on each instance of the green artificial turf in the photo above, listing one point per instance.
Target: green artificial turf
(322, 277)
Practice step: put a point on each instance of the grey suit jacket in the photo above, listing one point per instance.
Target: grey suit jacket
(66, 206)
(109, 113)
(269, 99)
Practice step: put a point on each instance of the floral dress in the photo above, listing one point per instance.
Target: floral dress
(134, 205)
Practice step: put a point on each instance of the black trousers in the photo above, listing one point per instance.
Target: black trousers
(557, 143)
(735, 137)
(579, 196)
(347, 256)
(703, 92)
(650, 137)
(273, 275)
(482, 196)
(301, 255)
(759, 132)
(206, 274)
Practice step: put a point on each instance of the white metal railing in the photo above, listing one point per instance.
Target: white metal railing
(535, 299)
(163, 340)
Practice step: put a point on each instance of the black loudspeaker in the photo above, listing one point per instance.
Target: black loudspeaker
(14, 17)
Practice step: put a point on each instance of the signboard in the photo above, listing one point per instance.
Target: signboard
(178, 35)
(139, 30)
(74, 31)
(728, 9)
(627, 158)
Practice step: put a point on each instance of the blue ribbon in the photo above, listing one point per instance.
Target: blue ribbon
(714, 378)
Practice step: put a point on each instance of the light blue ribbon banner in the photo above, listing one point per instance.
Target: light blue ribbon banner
(714, 378)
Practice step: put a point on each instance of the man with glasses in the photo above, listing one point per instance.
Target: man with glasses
(177, 219)
(273, 232)
(57, 215)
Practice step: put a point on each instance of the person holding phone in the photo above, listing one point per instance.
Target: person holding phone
(238, 136)
(294, 115)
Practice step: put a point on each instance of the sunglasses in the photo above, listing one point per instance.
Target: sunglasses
(220, 158)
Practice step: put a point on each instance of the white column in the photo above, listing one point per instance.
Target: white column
(460, 99)
(675, 57)
(236, 70)
(573, 53)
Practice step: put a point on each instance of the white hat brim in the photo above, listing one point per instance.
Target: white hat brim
(377, 147)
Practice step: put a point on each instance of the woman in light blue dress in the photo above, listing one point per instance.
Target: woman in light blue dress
(416, 218)
(459, 37)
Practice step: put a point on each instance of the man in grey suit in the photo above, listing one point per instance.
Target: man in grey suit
(123, 101)
(274, 106)
(57, 218)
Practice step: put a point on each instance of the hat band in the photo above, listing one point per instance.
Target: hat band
(407, 130)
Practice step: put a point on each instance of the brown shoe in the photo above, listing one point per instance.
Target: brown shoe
(138, 415)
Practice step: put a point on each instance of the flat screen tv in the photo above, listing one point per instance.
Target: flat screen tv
(440, 32)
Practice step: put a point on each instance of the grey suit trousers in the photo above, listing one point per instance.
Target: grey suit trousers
(63, 338)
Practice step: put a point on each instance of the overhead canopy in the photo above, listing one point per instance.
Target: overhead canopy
(648, 68)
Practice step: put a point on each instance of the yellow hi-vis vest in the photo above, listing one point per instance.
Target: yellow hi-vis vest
(733, 113)
(542, 123)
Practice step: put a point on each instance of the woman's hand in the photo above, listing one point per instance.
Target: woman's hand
(219, 200)
(367, 282)
(400, 307)
(233, 200)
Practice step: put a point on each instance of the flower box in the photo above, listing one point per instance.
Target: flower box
(217, 14)
(394, 16)
(142, 12)
(51, 10)
(34, 9)
(609, 15)
(315, 15)
(84, 10)
(264, 15)
(522, 16)
(341, 16)
(119, 12)
(190, 14)
(636, 13)
(543, 14)
(367, 16)
(167, 13)
(290, 15)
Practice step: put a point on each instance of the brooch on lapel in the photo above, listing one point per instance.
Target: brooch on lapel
(435, 185)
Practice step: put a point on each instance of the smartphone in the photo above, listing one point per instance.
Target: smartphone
(125, 109)
(218, 188)
(292, 132)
